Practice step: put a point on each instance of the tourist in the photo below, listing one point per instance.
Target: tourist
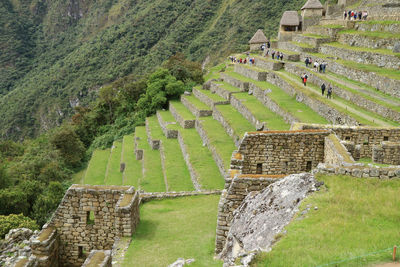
(304, 77)
(316, 65)
(307, 61)
(268, 45)
(254, 61)
(281, 56)
(273, 54)
(240, 61)
(245, 61)
(323, 87)
(355, 15)
(310, 61)
(324, 66)
(329, 94)
(365, 15)
(320, 67)
(267, 54)
(359, 15)
(349, 15)
(278, 55)
(345, 15)
(262, 47)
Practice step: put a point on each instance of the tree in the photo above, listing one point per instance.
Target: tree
(13, 221)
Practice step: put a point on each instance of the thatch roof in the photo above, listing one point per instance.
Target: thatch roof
(290, 18)
(258, 38)
(312, 4)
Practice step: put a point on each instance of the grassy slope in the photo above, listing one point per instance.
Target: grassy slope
(239, 124)
(114, 176)
(96, 170)
(177, 173)
(133, 167)
(175, 228)
(354, 217)
(153, 178)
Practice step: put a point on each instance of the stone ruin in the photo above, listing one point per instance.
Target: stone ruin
(265, 157)
(85, 226)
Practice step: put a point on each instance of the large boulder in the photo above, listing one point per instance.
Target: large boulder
(263, 215)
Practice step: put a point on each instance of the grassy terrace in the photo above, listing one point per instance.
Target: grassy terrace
(213, 97)
(214, 72)
(219, 139)
(303, 45)
(182, 110)
(374, 34)
(354, 91)
(97, 167)
(331, 26)
(354, 217)
(114, 176)
(383, 22)
(133, 168)
(228, 87)
(202, 161)
(178, 177)
(166, 116)
(363, 49)
(262, 113)
(239, 124)
(153, 178)
(315, 93)
(390, 73)
(315, 35)
(286, 102)
(175, 228)
(196, 102)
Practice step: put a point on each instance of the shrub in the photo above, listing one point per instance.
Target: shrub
(13, 221)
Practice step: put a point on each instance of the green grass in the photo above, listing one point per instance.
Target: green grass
(262, 113)
(196, 102)
(369, 161)
(228, 87)
(288, 103)
(213, 73)
(213, 97)
(175, 228)
(316, 95)
(114, 176)
(182, 110)
(202, 161)
(318, 36)
(239, 124)
(219, 139)
(372, 34)
(303, 45)
(354, 217)
(153, 178)
(79, 176)
(383, 22)
(178, 176)
(133, 168)
(363, 49)
(390, 73)
(166, 116)
(332, 26)
(97, 167)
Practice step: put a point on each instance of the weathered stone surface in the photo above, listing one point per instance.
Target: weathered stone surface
(261, 216)
(396, 47)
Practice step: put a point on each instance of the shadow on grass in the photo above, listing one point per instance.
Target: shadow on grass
(146, 230)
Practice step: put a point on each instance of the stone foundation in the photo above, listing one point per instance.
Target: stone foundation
(250, 73)
(386, 153)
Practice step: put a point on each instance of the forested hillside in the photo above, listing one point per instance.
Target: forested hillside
(55, 54)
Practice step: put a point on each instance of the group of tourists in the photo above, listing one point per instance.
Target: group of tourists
(329, 92)
(320, 67)
(354, 15)
(251, 61)
(266, 45)
(274, 54)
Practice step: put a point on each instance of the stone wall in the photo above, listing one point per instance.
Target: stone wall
(364, 136)
(250, 73)
(387, 153)
(237, 104)
(291, 46)
(169, 133)
(208, 101)
(335, 152)
(145, 197)
(313, 41)
(366, 27)
(92, 217)
(359, 170)
(243, 86)
(281, 152)
(217, 89)
(348, 95)
(217, 115)
(235, 191)
(268, 65)
(363, 57)
(331, 32)
(193, 174)
(138, 152)
(45, 248)
(195, 111)
(186, 124)
(154, 143)
(217, 158)
(98, 258)
(382, 83)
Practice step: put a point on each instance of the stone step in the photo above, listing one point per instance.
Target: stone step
(182, 115)
(385, 80)
(379, 57)
(198, 108)
(154, 142)
(167, 123)
(208, 98)
(267, 63)
(133, 168)
(382, 40)
(223, 89)
(378, 26)
(254, 73)
(297, 47)
(363, 101)
(312, 39)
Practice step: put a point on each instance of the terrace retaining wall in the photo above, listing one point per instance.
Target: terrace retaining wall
(195, 111)
(386, 153)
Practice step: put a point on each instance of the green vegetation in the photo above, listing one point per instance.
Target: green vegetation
(285, 101)
(226, 86)
(331, 26)
(96, 171)
(262, 113)
(201, 159)
(182, 110)
(372, 34)
(13, 221)
(178, 177)
(196, 102)
(239, 124)
(369, 161)
(354, 217)
(303, 45)
(213, 73)
(213, 97)
(175, 228)
(153, 177)
(114, 175)
(133, 167)
(383, 22)
(315, 35)
(363, 49)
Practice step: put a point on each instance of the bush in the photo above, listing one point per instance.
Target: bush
(13, 221)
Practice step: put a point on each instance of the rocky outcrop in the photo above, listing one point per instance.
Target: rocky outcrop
(15, 246)
(262, 216)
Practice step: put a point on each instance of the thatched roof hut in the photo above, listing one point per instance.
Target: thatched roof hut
(290, 18)
(258, 38)
(312, 4)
